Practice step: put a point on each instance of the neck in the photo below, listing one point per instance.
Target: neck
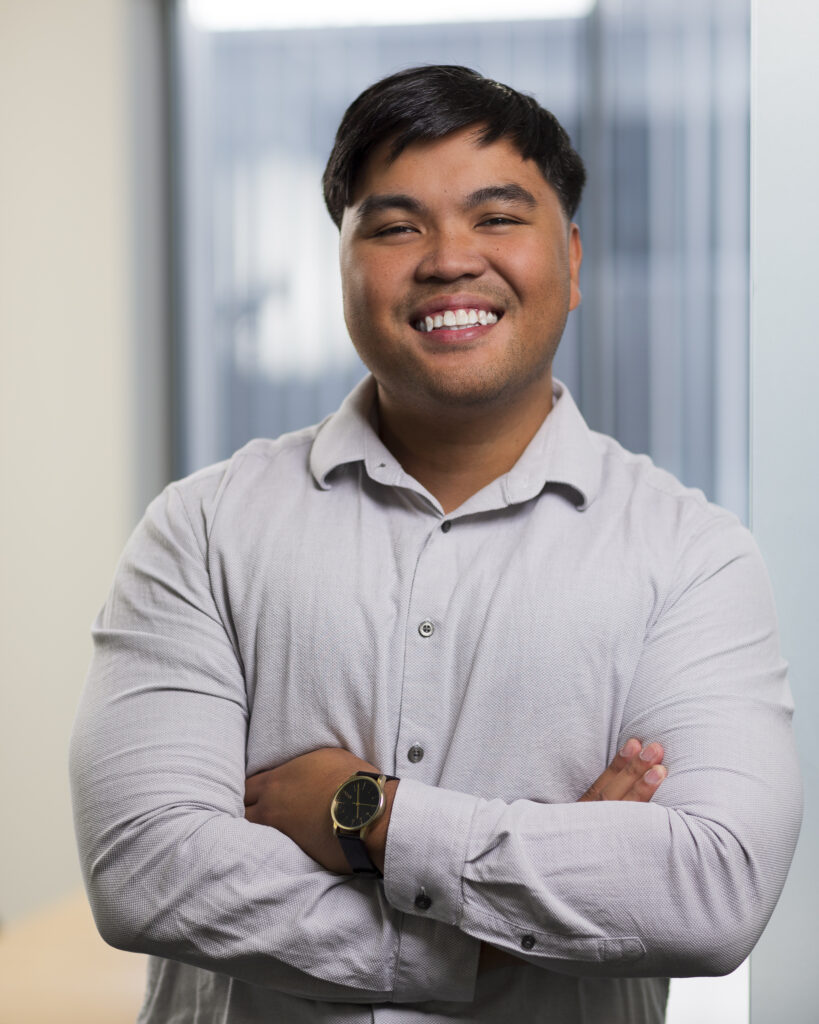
(455, 455)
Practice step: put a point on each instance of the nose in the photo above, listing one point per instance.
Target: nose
(450, 255)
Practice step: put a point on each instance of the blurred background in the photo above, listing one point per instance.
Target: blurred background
(168, 289)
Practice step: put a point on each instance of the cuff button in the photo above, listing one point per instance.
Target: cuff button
(422, 901)
(527, 942)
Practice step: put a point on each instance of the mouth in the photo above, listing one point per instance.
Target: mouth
(460, 319)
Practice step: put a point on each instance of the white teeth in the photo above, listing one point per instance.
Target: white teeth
(457, 318)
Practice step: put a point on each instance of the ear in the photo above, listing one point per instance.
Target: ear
(575, 259)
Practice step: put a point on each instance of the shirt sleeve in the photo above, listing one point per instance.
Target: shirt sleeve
(681, 886)
(171, 865)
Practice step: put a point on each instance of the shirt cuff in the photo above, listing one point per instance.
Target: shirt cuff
(423, 868)
(426, 850)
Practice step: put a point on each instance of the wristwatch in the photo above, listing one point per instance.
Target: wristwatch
(358, 803)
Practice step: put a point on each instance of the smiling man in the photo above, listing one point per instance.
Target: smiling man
(459, 268)
(343, 751)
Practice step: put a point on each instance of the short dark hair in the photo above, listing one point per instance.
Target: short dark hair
(430, 102)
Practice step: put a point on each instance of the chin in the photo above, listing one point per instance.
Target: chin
(469, 393)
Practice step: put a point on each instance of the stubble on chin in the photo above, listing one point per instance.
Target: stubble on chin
(469, 388)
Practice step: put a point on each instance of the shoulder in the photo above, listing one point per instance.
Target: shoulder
(634, 482)
(260, 472)
(672, 529)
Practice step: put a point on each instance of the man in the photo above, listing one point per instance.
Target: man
(419, 631)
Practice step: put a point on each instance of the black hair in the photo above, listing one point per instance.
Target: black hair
(430, 102)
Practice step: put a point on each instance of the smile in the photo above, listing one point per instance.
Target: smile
(456, 319)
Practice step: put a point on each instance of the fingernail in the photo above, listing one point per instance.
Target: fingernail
(647, 753)
(655, 775)
(629, 749)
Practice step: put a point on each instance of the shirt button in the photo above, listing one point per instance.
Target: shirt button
(426, 628)
(527, 942)
(415, 753)
(422, 901)
(446, 526)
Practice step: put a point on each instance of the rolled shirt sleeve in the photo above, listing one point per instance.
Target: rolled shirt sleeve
(681, 886)
(158, 765)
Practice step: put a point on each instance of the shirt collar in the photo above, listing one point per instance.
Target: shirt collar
(562, 456)
(350, 435)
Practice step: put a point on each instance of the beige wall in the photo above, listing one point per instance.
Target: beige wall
(66, 451)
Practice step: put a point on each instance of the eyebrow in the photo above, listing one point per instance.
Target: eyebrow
(500, 193)
(488, 194)
(394, 201)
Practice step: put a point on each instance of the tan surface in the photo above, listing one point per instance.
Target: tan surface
(55, 969)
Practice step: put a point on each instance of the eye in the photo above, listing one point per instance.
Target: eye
(498, 220)
(394, 230)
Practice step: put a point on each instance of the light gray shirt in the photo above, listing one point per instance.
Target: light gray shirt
(308, 593)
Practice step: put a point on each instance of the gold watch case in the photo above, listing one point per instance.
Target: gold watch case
(357, 804)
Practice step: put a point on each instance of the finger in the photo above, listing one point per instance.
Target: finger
(633, 771)
(251, 813)
(645, 788)
(623, 757)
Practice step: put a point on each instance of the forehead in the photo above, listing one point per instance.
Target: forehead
(454, 165)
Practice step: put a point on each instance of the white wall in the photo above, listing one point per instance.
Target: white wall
(785, 444)
(66, 444)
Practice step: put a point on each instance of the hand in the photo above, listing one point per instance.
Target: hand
(635, 774)
(295, 798)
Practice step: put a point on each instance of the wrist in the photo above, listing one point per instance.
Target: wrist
(376, 838)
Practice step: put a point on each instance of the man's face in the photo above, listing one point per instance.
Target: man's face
(453, 231)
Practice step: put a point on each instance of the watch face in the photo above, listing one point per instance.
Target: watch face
(356, 803)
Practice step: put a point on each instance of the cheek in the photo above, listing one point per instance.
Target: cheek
(545, 284)
(360, 281)
(369, 301)
(355, 298)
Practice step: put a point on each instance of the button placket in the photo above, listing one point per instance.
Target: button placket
(425, 704)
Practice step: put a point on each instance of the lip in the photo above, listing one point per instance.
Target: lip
(459, 301)
(443, 338)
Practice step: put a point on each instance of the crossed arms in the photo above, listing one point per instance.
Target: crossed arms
(295, 797)
(682, 884)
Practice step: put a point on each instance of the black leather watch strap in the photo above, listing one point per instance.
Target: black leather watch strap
(357, 857)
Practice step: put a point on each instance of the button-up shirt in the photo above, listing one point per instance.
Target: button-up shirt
(309, 593)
